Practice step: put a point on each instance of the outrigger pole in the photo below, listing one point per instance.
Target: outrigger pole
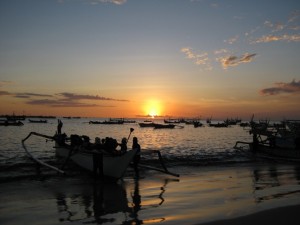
(164, 170)
(34, 158)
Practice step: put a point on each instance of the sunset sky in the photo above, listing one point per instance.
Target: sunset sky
(123, 58)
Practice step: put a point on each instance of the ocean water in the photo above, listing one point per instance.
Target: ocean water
(216, 181)
(183, 145)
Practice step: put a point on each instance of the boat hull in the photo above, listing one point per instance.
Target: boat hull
(164, 126)
(113, 166)
(283, 153)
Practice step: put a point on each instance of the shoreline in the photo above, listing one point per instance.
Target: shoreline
(276, 216)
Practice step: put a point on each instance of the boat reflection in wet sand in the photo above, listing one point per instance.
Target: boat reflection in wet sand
(104, 202)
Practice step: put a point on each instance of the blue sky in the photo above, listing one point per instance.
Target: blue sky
(184, 57)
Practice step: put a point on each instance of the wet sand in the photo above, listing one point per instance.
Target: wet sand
(234, 194)
(279, 216)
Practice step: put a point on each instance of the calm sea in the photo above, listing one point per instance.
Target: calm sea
(183, 145)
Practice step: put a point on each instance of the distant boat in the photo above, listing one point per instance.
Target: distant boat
(208, 120)
(218, 125)
(38, 121)
(10, 123)
(15, 117)
(171, 121)
(123, 120)
(164, 126)
(147, 124)
(107, 122)
(197, 124)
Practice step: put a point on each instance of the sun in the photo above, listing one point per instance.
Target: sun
(153, 113)
(152, 108)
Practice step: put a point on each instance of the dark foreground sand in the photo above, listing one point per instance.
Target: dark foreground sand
(220, 194)
(280, 216)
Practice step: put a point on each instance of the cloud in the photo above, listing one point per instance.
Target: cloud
(221, 51)
(72, 96)
(59, 103)
(232, 40)
(285, 37)
(281, 87)
(96, 2)
(198, 59)
(116, 2)
(29, 95)
(279, 31)
(275, 27)
(226, 58)
(67, 99)
(233, 60)
(64, 99)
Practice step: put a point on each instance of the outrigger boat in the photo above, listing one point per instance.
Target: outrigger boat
(103, 160)
(277, 142)
(89, 156)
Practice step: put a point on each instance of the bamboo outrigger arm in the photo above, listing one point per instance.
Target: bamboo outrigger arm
(34, 158)
(164, 168)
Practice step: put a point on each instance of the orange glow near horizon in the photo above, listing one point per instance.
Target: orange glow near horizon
(152, 108)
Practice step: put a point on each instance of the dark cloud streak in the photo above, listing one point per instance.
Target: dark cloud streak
(62, 103)
(64, 99)
(233, 60)
(72, 96)
(281, 87)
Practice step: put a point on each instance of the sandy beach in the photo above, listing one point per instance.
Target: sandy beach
(235, 194)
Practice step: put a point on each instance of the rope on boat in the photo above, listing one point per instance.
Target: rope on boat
(34, 158)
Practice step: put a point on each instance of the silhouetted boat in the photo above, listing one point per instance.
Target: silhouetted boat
(100, 158)
(11, 123)
(114, 166)
(218, 125)
(93, 157)
(197, 124)
(107, 122)
(164, 126)
(277, 142)
(15, 117)
(147, 124)
(172, 121)
(37, 121)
